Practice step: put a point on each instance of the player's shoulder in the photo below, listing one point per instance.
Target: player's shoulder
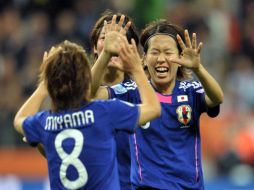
(111, 104)
(38, 118)
(101, 101)
(190, 86)
(96, 103)
(42, 114)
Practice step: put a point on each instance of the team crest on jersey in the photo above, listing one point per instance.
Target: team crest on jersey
(184, 114)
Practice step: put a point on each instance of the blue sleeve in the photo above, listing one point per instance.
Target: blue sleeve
(32, 128)
(124, 115)
(111, 93)
(201, 103)
(129, 94)
(118, 91)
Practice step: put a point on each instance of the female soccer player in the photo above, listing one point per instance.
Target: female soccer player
(78, 134)
(111, 77)
(165, 153)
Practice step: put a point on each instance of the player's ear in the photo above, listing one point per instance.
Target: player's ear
(144, 61)
(95, 50)
(145, 66)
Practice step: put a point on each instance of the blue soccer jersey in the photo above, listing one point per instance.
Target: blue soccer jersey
(80, 144)
(122, 137)
(167, 154)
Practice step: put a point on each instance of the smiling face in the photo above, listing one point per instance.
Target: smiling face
(160, 49)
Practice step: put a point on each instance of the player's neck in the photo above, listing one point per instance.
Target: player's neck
(164, 89)
(113, 77)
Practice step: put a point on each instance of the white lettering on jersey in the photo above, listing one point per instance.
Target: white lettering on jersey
(130, 85)
(201, 91)
(69, 120)
(194, 84)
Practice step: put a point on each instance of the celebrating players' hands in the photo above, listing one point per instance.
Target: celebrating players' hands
(113, 33)
(46, 57)
(130, 56)
(190, 55)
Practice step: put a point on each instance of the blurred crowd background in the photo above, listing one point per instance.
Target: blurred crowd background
(226, 27)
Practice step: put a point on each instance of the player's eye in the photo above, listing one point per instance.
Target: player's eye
(168, 53)
(154, 53)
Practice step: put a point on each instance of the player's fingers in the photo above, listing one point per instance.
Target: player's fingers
(45, 55)
(133, 45)
(180, 41)
(113, 23)
(120, 23)
(51, 50)
(54, 51)
(130, 47)
(125, 28)
(187, 39)
(106, 26)
(194, 40)
(177, 61)
(124, 47)
(133, 42)
(199, 47)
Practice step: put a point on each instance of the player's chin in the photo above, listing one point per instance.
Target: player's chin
(162, 80)
(111, 65)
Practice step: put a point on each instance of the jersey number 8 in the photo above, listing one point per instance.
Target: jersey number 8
(71, 158)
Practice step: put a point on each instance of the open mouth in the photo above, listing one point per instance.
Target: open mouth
(161, 69)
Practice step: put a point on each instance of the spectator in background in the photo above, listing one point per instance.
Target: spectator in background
(240, 85)
(11, 94)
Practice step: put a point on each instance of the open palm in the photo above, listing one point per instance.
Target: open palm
(190, 55)
(113, 33)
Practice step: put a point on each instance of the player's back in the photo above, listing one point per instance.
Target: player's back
(80, 144)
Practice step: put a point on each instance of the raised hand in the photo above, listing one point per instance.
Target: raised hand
(113, 33)
(130, 56)
(190, 55)
(45, 60)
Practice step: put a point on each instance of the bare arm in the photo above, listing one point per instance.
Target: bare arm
(99, 92)
(34, 102)
(214, 94)
(150, 107)
(30, 107)
(111, 47)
